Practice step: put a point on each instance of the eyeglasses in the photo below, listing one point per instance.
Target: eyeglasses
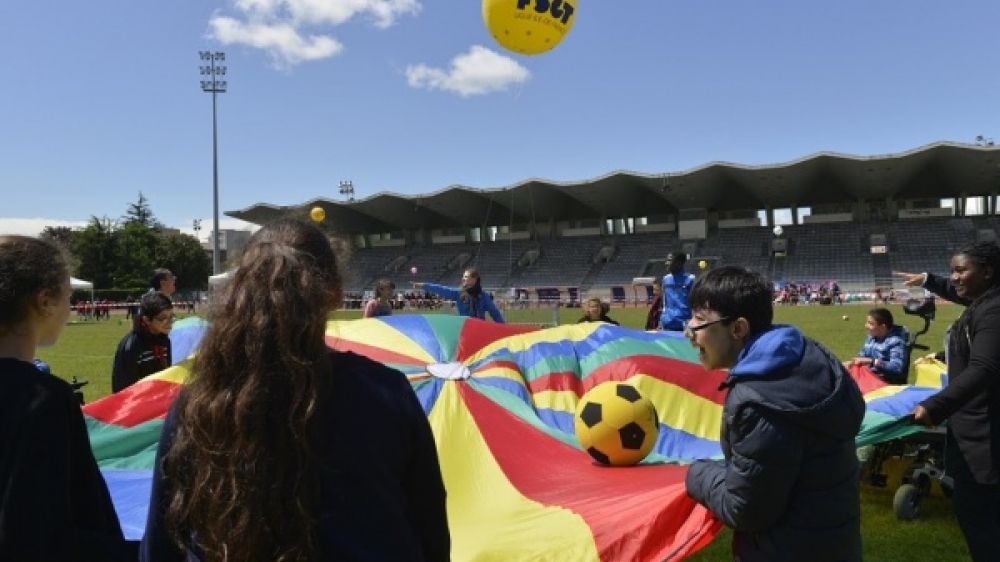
(690, 330)
(165, 318)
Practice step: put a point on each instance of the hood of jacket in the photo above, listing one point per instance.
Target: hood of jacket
(898, 331)
(787, 373)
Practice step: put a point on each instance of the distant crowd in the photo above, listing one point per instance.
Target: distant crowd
(101, 309)
(410, 300)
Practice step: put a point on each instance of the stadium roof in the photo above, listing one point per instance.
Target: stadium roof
(938, 170)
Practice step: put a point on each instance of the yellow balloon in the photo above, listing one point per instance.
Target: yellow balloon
(317, 214)
(529, 27)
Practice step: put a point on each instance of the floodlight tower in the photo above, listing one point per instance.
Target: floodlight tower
(213, 81)
(347, 189)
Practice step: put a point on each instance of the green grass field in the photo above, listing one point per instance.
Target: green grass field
(85, 350)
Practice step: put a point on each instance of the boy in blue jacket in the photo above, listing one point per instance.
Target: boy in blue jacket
(884, 350)
(789, 483)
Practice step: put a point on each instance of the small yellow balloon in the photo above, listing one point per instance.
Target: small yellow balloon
(702, 264)
(317, 214)
(529, 27)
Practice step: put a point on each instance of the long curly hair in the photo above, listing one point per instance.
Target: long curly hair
(241, 475)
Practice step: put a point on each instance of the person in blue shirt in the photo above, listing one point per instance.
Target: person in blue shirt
(676, 288)
(884, 350)
(470, 299)
(788, 485)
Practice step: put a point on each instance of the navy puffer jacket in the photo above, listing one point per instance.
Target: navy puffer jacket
(789, 484)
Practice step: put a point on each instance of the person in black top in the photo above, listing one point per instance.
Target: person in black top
(595, 310)
(54, 504)
(163, 281)
(655, 307)
(146, 348)
(280, 448)
(971, 401)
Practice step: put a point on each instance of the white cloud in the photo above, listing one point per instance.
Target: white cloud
(479, 71)
(277, 26)
(282, 41)
(34, 226)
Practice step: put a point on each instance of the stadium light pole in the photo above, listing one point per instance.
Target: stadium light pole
(213, 81)
(347, 189)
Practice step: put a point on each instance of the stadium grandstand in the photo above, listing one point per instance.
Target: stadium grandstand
(844, 218)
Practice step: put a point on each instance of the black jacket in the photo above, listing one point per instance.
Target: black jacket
(789, 486)
(54, 504)
(382, 494)
(971, 401)
(139, 355)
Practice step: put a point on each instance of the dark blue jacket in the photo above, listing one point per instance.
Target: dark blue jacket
(789, 484)
(382, 496)
(54, 504)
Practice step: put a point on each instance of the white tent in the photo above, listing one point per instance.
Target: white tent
(82, 285)
(216, 280)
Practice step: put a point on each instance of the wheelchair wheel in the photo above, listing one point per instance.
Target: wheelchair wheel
(906, 503)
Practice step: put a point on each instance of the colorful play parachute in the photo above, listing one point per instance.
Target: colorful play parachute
(889, 405)
(500, 400)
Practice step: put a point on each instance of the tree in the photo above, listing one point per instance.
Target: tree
(140, 212)
(135, 254)
(94, 248)
(59, 235)
(183, 255)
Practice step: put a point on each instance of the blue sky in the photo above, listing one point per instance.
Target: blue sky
(101, 100)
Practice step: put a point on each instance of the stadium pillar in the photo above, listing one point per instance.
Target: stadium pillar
(861, 210)
(891, 207)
